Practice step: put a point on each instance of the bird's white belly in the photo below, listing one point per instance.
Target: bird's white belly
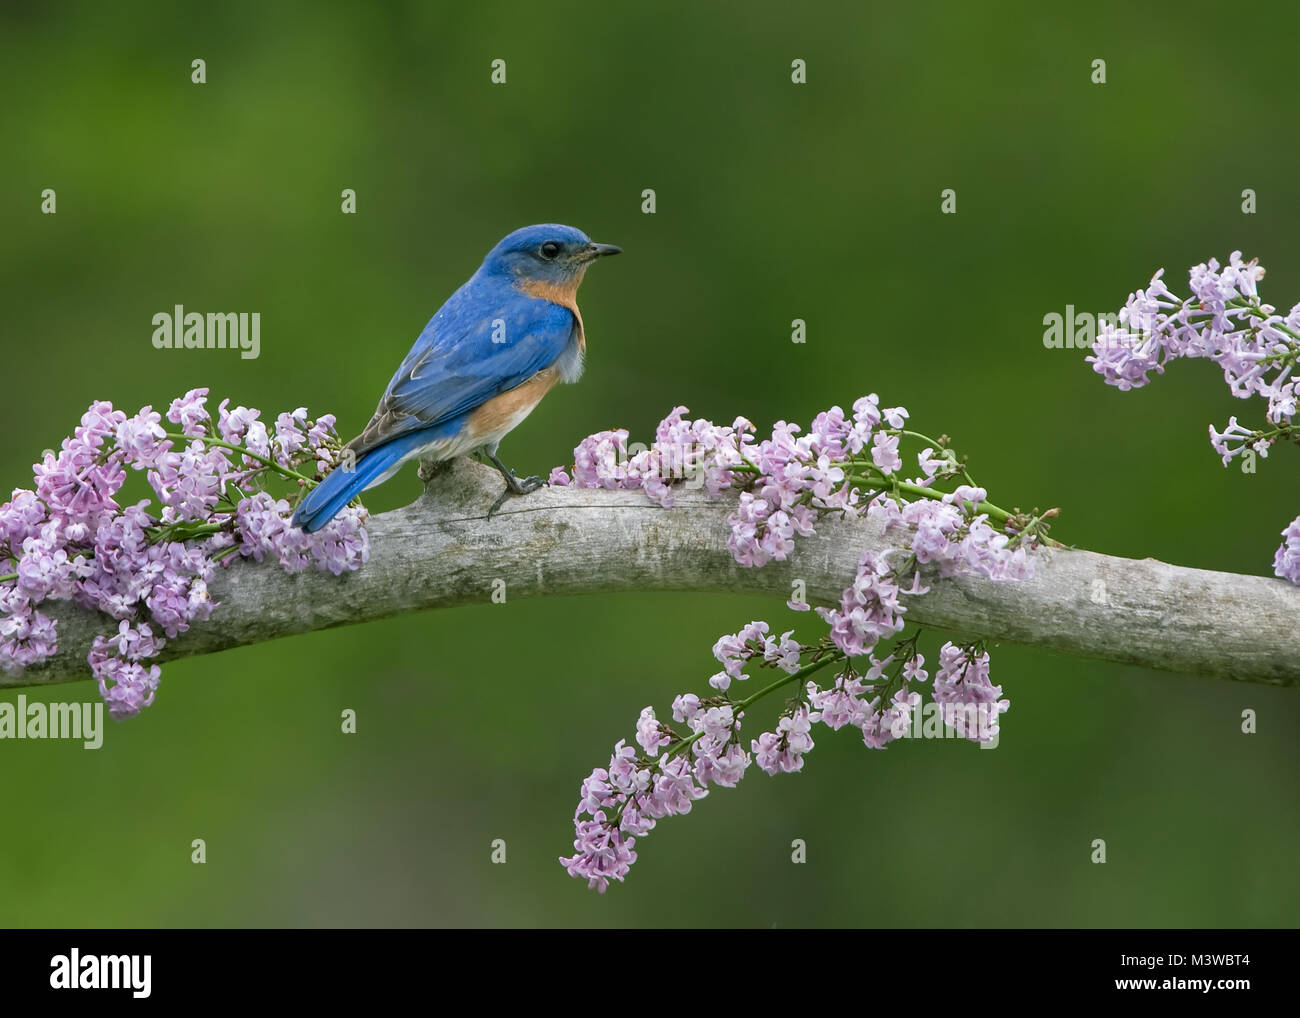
(467, 441)
(494, 436)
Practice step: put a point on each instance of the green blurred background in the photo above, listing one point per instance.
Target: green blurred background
(775, 202)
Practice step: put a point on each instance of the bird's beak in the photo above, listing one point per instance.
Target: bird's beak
(595, 251)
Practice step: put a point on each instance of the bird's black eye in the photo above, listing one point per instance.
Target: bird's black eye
(550, 249)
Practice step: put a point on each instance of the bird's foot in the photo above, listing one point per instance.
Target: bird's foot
(515, 486)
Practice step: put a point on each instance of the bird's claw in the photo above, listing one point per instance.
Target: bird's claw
(525, 487)
(514, 486)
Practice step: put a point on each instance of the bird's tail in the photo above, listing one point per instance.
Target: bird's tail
(327, 499)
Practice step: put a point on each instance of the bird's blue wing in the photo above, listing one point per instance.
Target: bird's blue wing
(479, 345)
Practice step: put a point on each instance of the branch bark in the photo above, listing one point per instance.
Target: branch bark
(441, 551)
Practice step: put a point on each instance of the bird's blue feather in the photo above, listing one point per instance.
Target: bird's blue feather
(457, 363)
(340, 487)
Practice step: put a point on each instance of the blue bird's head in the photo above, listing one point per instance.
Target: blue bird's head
(550, 255)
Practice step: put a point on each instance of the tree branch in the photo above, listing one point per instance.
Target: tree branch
(441, 552)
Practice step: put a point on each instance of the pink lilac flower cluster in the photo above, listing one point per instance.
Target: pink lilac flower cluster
(1223, 321)
(788, 481)
(849, 464)
(678, 765)
(971, 703)
(698, 452)
(67, 538)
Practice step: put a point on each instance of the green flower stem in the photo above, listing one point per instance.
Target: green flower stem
(771, 687)
(996, 512)
(872, 475)
(907, 648)
(684, 745)
(802, 673)
(187, 530)
(1255, 311)
(932, 443)
(241, 449)
(1282, 432)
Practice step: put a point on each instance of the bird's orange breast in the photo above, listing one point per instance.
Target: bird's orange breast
(503, 412)
(563, 294)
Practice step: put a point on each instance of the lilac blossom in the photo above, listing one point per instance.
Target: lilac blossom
(970, 701)
(649, 733)
(846, 464)
(885, 724)
(67, 539)
(1223, 321)
(1286, 563)
(142, 439)
(781, 752)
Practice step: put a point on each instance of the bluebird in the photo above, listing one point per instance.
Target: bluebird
(480, 366)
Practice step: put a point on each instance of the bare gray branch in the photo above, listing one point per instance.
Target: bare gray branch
(441, 552)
